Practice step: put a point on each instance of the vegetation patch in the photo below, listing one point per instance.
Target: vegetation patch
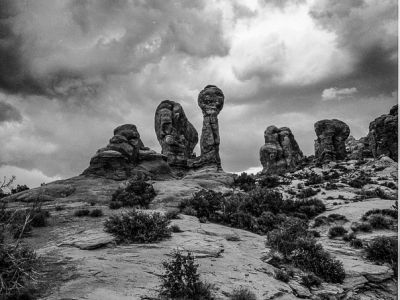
(245, 182)
(336, 231)
(383, 250)
(242, 293)
(182, 281)
(138, 227)
(137, 193)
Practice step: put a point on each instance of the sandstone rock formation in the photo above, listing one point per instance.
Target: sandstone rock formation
(382, 136)
(330, 142)
(357, 149)
(211, 102)
(120, 159)
(281, 153)
(176, 135)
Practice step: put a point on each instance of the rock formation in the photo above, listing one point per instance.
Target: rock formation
(176, 135)
(330, 142)
(382, 136)
(281, 153)
(122, 157)
(357, 149)
(211, 102)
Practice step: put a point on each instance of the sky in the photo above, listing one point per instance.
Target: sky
(73, 70)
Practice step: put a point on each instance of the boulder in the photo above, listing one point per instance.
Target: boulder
(331, 138)
(176, 135)
(280, 153)
(211, 102)
(124, 155)
(382, 136)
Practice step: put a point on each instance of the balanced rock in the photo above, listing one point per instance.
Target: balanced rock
(211, 102)
(382, 136)
(331, 138)
(176, 135)
(357, 149)
(122, 157)
(280, 153)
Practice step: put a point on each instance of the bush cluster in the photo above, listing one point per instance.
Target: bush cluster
(182, 281)
(297, 245)
(310, 280)
(272, 181)
(361, 180)
(138, 227)
(383, 250)
(282, 275)
(307, 192)
(313, 178)
(245, 182)
(336, 231)
(260, 211)
(242, 294)
(137, 193)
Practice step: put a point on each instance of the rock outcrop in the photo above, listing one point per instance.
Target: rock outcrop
(280, 153)
(211, 102)
(331, 138)
(176, 135)
(382, 136)
(357, 149)
(123, 156)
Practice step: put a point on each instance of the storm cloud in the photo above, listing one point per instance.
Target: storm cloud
(71, 71)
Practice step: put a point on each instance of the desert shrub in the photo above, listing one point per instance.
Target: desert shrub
(137, 193)
(115, 204)
(361, 180)
(269, 221)
(205, 203)
(18, 270)
(81, 212)
(337, 217)
(386, 212)
(312, 257)
(390, 185)
(263, 199)
(364, 227)
(172, 214)
(330, 186)
(336, 231)
(310, 280)
(356, 243)
(321, 220)
(242, 294)
(282, 275)
(245, 182)
(314, 178)
(272, 181)
(383, 249)
(296, 244)
(19, 188)
(307, 192)
(95, 213)
(138, 227)
(349, 237)
(39, 217)
(310, 207)
(331, 175)
(175, 228)
(379, 221)
(182, 281)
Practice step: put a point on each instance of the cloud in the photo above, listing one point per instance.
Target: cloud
(32, 178)
(338, 94)
(9, 113)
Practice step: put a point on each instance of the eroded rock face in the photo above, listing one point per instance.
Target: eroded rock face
(280, 153)
(125, 151)
(331, 138)
(211, 102)
(357, 149)
(176, 135)
(382, 136)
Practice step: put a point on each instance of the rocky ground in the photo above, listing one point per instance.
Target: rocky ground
(84, 262)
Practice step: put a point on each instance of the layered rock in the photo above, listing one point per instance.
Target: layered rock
(123, 156)
(211, 102)
(331, 138)
(357, 149)
(280, 153)
(382, 136)
(176, 135)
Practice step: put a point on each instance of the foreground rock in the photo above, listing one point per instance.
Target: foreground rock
(280, 153)
(383, 135)
(176, 135)
(211, 102)
(331, 138)
(126, 156)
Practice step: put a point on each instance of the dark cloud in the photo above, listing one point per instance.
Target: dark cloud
(9, 113)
